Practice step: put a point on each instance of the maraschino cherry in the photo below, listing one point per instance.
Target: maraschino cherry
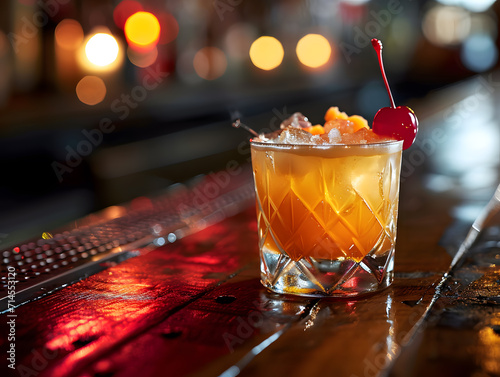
(399, 122)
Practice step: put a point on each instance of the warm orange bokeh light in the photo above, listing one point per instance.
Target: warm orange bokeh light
(142, 30)
(91, 90)
(124, 10)
(266, 53)
(69, 34)
(313, 50)
(210, 63)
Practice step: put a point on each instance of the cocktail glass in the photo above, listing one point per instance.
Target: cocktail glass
(327, 216)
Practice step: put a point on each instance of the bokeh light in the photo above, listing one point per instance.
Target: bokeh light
(266, 53)
(313, 50)
(210, 63)
(238, 40)
(484, 23)
(472, 5)
(124, 10)
(477, 5)
(479, 53)
(69, 34)
(142, 59)
(91, 90)
(169, 27)
(142, 30)
(102, 49)
(446, 25)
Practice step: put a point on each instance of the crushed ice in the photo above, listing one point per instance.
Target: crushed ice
(334, 136)
(295, 136)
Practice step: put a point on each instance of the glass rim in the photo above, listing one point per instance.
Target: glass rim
(380, 144)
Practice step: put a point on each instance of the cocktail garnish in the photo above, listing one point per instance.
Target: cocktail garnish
(315, 130)
(399, 122)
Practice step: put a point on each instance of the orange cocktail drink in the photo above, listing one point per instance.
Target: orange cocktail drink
(327, 215)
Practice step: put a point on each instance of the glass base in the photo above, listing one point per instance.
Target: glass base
(326, 278)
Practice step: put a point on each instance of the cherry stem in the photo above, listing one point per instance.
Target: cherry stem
(377, 45)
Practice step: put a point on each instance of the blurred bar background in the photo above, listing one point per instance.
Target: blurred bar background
(105, 101)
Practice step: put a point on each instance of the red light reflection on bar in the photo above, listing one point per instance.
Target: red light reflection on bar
(141, 203)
